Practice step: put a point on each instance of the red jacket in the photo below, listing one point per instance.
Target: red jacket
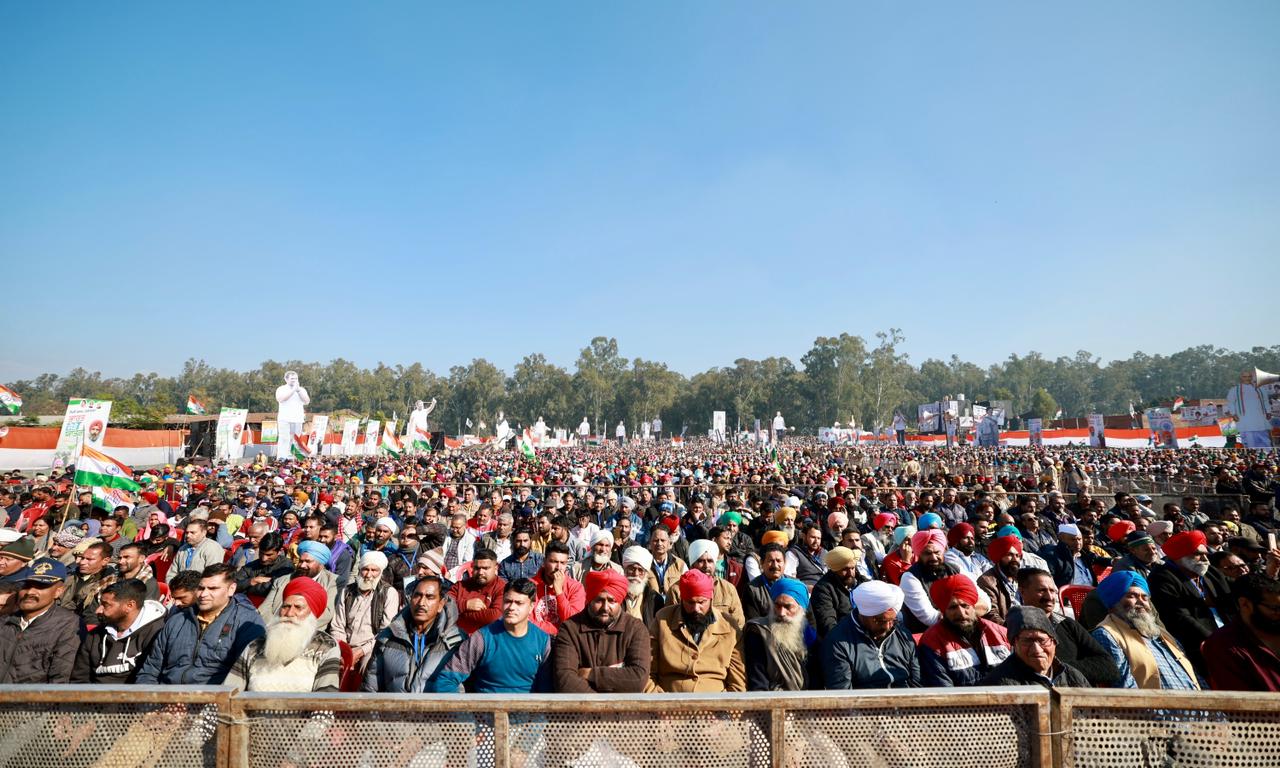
(1238, 661)
(491, 594)
(551, 609)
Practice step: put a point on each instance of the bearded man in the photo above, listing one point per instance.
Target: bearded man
(963, 554)
(695, 649)
(775, 648)
(364, 607)
(1148, 657)
(1191, 596)
(602, 649)
(962, 647)
(642, 601)
(600, 558)
(294, 655)
(930, 548)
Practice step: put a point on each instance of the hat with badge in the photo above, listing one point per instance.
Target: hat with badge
(47, 571)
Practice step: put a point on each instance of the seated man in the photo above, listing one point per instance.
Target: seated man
(127, 625)
(754, 593)
(866, 649)
(703, 554)
(776, 648)
(507, 656)
(1191, 597)
(1032, 661)
(38, 643)
(479, 595)
(1076, 647)
(643, 601)
(962, 647)
(1000, 581)
(294, 655)
(364, 607)
(417, 642)
(1146, 654)
(830, 598)
(962, 553)
(930, 548)
(1241, 656)
(602, 648)
(694, 648)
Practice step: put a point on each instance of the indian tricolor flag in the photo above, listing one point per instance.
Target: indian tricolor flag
(9, 400)
(97, 469)
(525, 444)
(110, 498)
(1177, 404)
(194, 406)
(421, 440)
(391, 442)
(299, 447)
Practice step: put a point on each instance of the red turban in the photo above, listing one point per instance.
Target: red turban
(152, 497)
(1119, 530)
(944, 590)
(1000, 547)
(672, 523)
(958, 532)
(885, 518)
(311, 591)
(695, 583)
(608, 581)
(1184, 544)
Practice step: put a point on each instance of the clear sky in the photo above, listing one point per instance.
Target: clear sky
(412, 181)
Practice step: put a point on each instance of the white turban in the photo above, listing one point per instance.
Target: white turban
(375, 558)
(388, 522)
(1069, 529)
(702, 547)
(873, 598)
(638, 555)
(1160, 526)
(601, 536)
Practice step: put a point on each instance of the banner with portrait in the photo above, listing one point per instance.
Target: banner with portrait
(85, 423)
(1097, 431)
(1160, 420)
(316, 434)
(350, 431)
(228, 445)
(927, 418)
(1035, 432)
(372, 430)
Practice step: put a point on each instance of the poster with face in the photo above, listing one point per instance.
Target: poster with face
(84, 423)
(227, 437)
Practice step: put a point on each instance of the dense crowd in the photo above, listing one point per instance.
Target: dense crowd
(636, 568)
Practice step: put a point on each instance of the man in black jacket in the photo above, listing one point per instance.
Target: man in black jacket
(1033, 661)
(756, 601)
(38, 643)
(1191, 596)
(829, 602)
(127, 625)
(1076, 647)
(1067, 561)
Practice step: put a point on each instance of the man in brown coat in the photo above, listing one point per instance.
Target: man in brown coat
(695, 650)
(602, 649)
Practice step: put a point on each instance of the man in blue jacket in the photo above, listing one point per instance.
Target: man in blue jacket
(868, 648)
(199, 644)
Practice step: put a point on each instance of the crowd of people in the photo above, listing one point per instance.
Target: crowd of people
(706, 568)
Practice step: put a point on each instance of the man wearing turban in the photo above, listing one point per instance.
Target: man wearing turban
(962, 647)
(642, 601)
(1147, 655)
(364, 607)
(703, 555)
(602, 649)
(1192, 597)
(962, 550)
(695, 649)
(830, 595)
(930, 548)
(866, 649)
(1000, 582)
(312, 559)
(775, 648)
(294, 655)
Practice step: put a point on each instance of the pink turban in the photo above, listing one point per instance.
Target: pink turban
(922, 539)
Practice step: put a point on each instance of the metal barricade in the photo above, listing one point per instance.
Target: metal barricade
(88, 726)
(1121, 729)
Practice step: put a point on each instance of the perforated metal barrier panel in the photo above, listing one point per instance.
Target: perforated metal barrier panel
(1124, 738)
(370, 739)
(943, 737)
(75, 735)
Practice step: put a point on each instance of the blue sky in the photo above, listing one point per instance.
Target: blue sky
(703, 181)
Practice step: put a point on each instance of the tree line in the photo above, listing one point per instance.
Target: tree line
(839, 378)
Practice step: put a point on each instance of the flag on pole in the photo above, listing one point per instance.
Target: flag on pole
(390, 441)
(97, 469)
(421, 440)
(525, 444)
(194, 406)
(1177, 404)
(9, 400)
(110, 498)
(299, 447)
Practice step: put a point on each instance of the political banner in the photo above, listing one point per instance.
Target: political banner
(927, 420)
(350, 429)
(1035, 431)
(228, 445)
(1160, 420)
(1203, 415)
(270, 432)
(371, 433)
(319, 428)
(1097, 431)
(717, 424)
(85, 423)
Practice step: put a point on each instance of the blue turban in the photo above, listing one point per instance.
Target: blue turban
(929, 520)
(1113, 588)
(792, 588)
(318, 552)
(1008, 530)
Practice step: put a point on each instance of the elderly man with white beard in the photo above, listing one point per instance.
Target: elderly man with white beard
(643, 601)
(294, 655)
(775, 648)
(364, 607)
(1147, 655)
(599, 558)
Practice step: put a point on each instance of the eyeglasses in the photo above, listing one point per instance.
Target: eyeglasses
(1044, 642)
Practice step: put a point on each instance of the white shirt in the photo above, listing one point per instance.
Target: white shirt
(1244, 401)
(292, 404)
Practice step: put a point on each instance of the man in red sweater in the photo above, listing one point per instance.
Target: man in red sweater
(479, 595)
(560, 596)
